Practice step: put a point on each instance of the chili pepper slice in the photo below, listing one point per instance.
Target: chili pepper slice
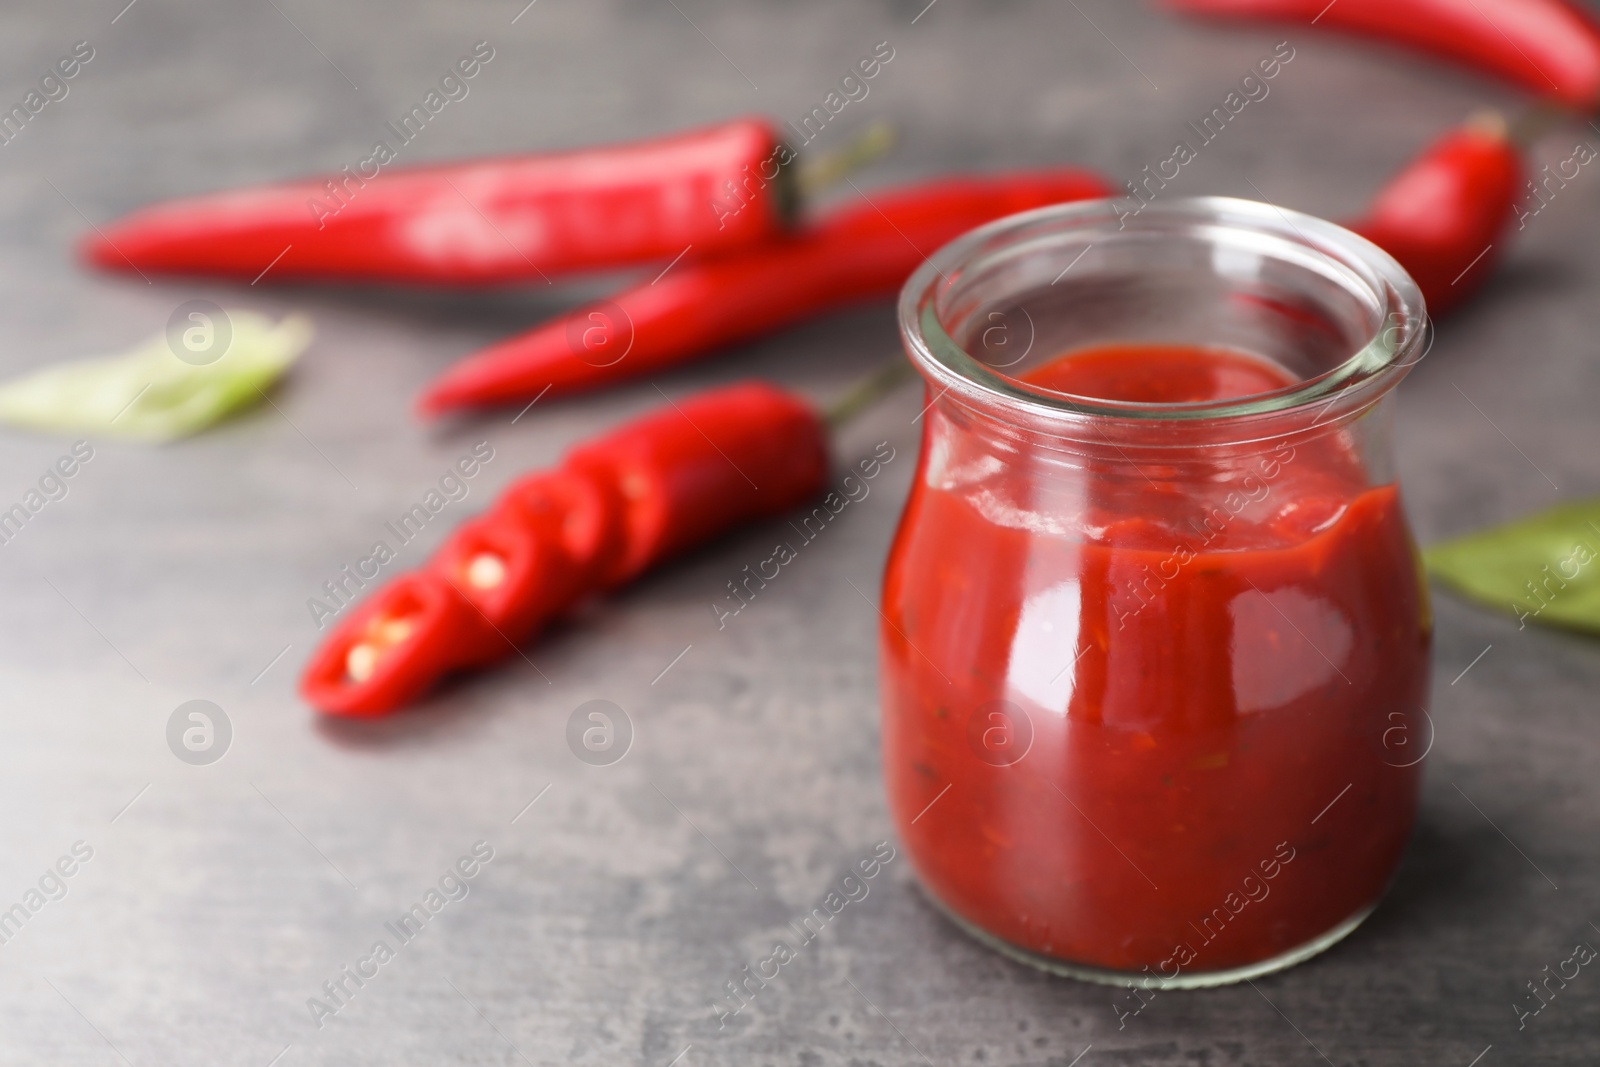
(543, 545)
(1548, 47)
(582, 512)
(508, 570)
(1444, 212)
(491, 220)
(706, 465)
(649, 489)
(393, 646)
(858, 253)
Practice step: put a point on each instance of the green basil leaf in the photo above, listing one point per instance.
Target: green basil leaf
(1544, 568)
(150, 394)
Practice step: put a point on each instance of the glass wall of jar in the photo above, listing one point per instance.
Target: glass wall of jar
(1156, 645)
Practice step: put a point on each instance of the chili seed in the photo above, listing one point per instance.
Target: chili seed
(486, 571)
(360, 661)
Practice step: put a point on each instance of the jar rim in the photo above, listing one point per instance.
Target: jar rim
(1398, 342)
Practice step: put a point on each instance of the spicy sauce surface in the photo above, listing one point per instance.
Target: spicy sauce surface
(1160, 374)
(1153, 708)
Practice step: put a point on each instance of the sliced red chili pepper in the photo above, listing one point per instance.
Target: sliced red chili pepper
(705, 465)
(647, 490)
(1444, 212)
(509, 570)
(1548, 47)
(858, 253)
(393, 646)
(489, 220)
(583, 514)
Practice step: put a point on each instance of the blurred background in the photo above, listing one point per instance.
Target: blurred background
(621, 899)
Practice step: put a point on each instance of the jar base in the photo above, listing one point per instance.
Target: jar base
(1139, 980)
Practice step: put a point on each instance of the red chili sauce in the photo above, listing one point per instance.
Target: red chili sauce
(1197, 767)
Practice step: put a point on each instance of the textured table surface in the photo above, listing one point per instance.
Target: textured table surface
(218, 899)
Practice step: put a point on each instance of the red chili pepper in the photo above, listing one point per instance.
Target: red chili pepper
(490, 220)
(393, 647)
(706, 465)
(1443, 213)
(1548, 47)
(648, 490)
(584, 514)
(509, 571)
(857, 253)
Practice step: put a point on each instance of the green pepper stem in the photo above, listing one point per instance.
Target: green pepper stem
(868, 391)
(829, 168)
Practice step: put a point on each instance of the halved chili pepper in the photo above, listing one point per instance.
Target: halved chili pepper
(491, 220)
(860, 252)
(1444, 212)
(663, 484)
(1549, 47)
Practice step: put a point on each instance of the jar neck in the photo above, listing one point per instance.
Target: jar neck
(1339, 316)
(1109, 441)
(1048, 483)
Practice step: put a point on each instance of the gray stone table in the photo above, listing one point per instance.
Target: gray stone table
(217, 899)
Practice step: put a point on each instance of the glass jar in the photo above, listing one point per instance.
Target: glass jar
(1155, 673)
